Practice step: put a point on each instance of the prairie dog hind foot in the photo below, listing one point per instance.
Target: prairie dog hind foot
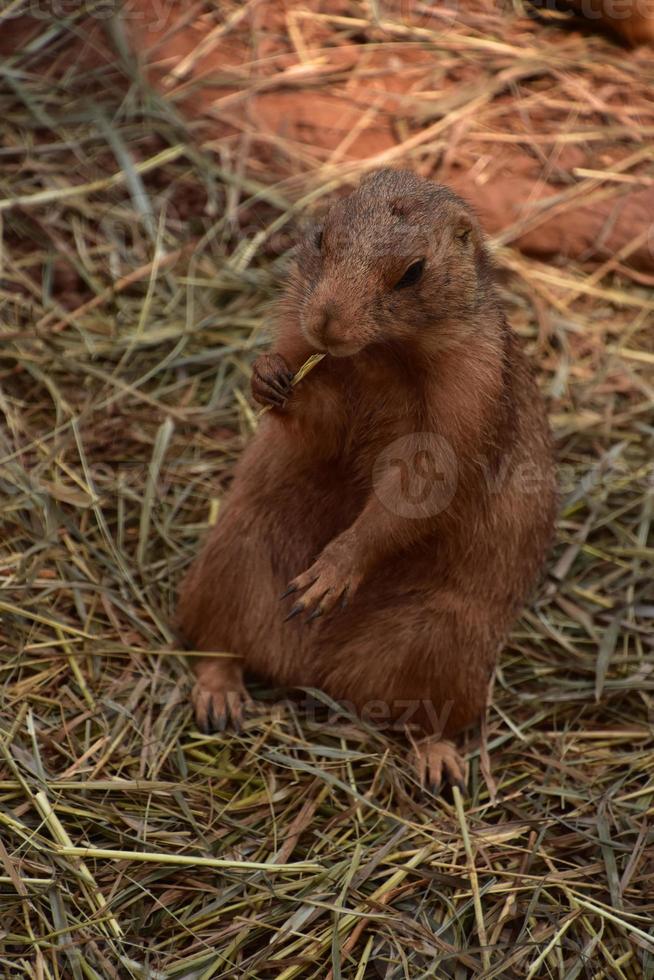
(219, 696)
(438, 763)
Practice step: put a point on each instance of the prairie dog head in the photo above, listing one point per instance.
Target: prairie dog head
(393, 261)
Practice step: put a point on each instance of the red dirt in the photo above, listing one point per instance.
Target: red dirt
(332, 97)
(295, 93)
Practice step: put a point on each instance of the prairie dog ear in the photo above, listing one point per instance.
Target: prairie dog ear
(402, 206)
(465, 229)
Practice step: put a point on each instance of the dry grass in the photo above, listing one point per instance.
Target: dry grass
(130, 844)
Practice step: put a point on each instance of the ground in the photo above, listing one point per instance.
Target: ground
(142, 248)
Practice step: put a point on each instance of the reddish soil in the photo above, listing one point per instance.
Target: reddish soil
(292, 93)
(302, 92)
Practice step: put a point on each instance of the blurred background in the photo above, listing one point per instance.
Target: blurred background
(157, 159)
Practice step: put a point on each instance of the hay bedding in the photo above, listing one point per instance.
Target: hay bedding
(131, 306)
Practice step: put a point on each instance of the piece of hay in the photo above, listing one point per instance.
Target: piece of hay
(302, 372)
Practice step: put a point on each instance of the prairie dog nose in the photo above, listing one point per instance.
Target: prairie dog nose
(326, 325)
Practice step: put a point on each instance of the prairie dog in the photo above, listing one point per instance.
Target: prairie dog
(402, 496)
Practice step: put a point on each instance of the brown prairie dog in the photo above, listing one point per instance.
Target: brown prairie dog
(402, 495)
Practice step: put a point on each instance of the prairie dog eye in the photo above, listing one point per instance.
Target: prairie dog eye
(411, 276)
(317, 238)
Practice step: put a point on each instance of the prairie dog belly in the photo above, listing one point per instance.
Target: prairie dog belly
(294, 509)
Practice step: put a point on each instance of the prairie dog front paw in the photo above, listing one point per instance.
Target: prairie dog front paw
(326, 583)
(271, 381)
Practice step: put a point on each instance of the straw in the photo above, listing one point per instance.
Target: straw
(302, 371)
(138, 264)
